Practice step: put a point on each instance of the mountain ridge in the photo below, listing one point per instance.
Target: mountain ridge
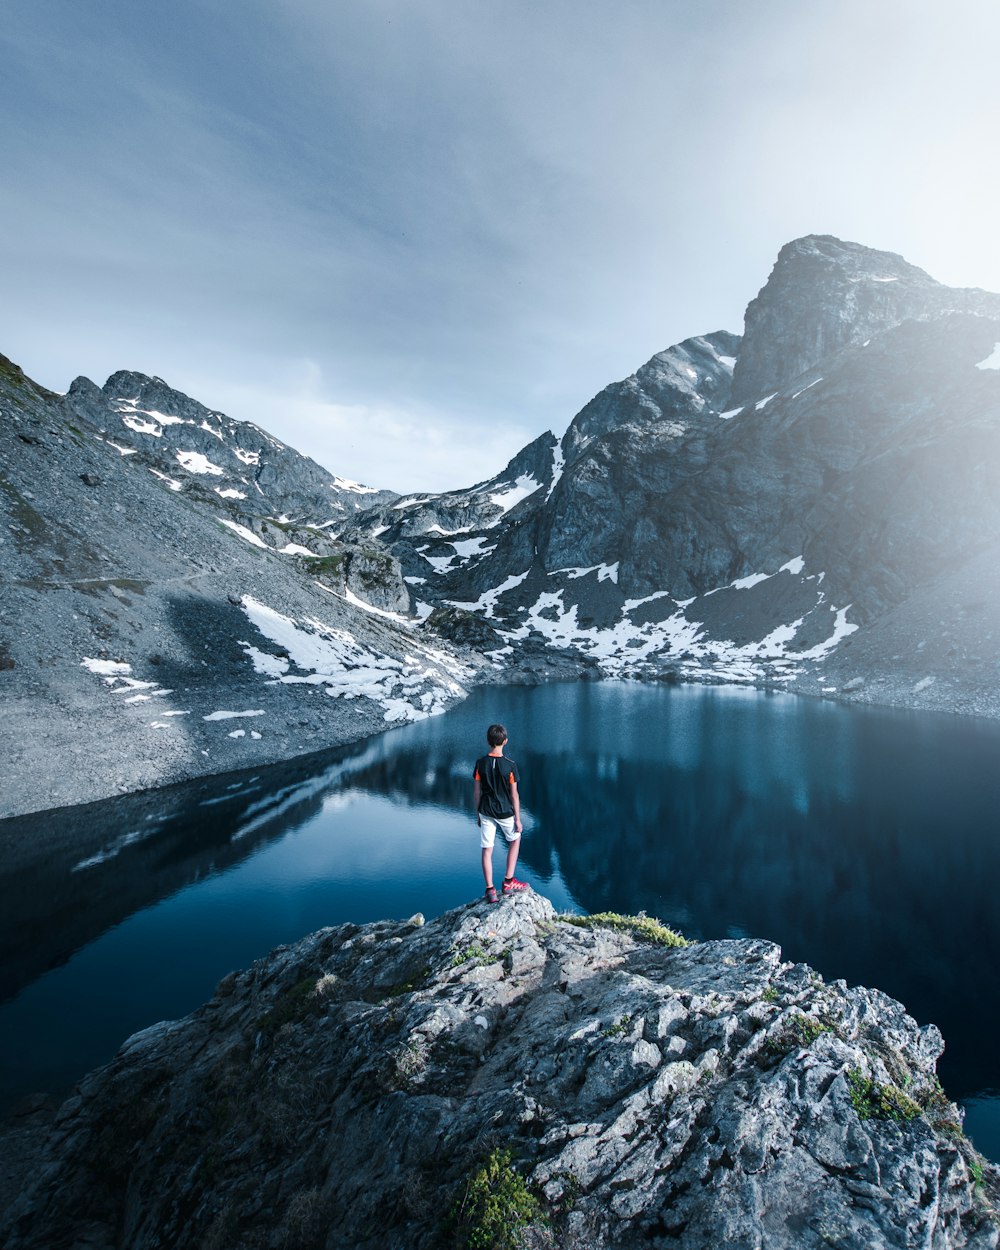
(738, 509)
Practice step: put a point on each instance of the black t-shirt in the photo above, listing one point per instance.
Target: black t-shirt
(494, 774)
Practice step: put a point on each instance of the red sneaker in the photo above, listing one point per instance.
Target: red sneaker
(512, 885)
(491, 895)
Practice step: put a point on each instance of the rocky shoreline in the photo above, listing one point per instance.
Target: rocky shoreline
(607, 1083)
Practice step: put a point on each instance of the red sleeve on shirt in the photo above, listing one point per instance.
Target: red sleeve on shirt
(476, 776)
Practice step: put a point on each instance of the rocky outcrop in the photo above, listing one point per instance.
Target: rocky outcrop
(825, 294)
(232, 464)
(371, 1085)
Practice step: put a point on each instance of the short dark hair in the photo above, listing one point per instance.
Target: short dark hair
(496, 735)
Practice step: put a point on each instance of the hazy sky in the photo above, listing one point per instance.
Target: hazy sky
(407, 236)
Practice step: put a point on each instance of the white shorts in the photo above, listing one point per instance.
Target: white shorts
(488, 826)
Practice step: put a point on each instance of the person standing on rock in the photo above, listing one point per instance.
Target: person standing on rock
(494, 794)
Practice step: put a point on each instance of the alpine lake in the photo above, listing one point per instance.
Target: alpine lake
(863, 841)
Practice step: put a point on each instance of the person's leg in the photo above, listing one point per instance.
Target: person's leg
(487, 834)
(512, 850)
(488, 866)
(510, 884)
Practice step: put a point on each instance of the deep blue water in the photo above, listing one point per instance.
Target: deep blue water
(863, 841)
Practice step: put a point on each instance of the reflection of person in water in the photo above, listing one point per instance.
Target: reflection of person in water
(494, 793)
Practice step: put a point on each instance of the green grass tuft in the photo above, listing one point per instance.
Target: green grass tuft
(496, 1208)
(874, 1101)
(641, 926)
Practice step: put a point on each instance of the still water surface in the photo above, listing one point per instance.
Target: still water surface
(863, 841)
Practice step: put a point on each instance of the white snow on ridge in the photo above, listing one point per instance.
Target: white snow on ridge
(765, 401)
(195, 462)
(355, 488)
(357, 602)
(992, 361)
(807, 387)
(248, 457)
(506, 499)
(605, 572)
(620, 647)
(631, 604)
(793, 566)
(728, 361)
(558, 464)
(171, 482)
(411, 688)
(248, 535)
(124, 451)
(729, 414)
(744, 583)
(487, 601)
(230, 493)
(473, 547)
(142, 427)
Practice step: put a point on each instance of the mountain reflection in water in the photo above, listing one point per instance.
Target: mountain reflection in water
(860, 840)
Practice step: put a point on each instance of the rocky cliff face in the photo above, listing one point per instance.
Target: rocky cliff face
(811, 504)
(201, 452)
(825, 294)
(155, 628)
(372, 1086)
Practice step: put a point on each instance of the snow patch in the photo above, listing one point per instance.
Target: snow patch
(765, 401)
(558, 464)
(171, 482)
(244, 533)
(605, 572)
(524, 486)
(487, 601)
(232, 715)
(992, 361)
(419, 684)
(473, 547)
(230, 493)
(729, 414)
(106, 668)
(195, 462)
(754, 579)
(355, 488)
(247, 457)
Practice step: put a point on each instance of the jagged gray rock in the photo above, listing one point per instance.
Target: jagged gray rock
(775, 508)
(150, 635)
(343, 1092)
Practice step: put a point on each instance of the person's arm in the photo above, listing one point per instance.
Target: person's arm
(516, 804)
(477, 791)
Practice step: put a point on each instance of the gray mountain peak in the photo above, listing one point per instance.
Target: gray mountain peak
(674, 388)
(825, 294)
